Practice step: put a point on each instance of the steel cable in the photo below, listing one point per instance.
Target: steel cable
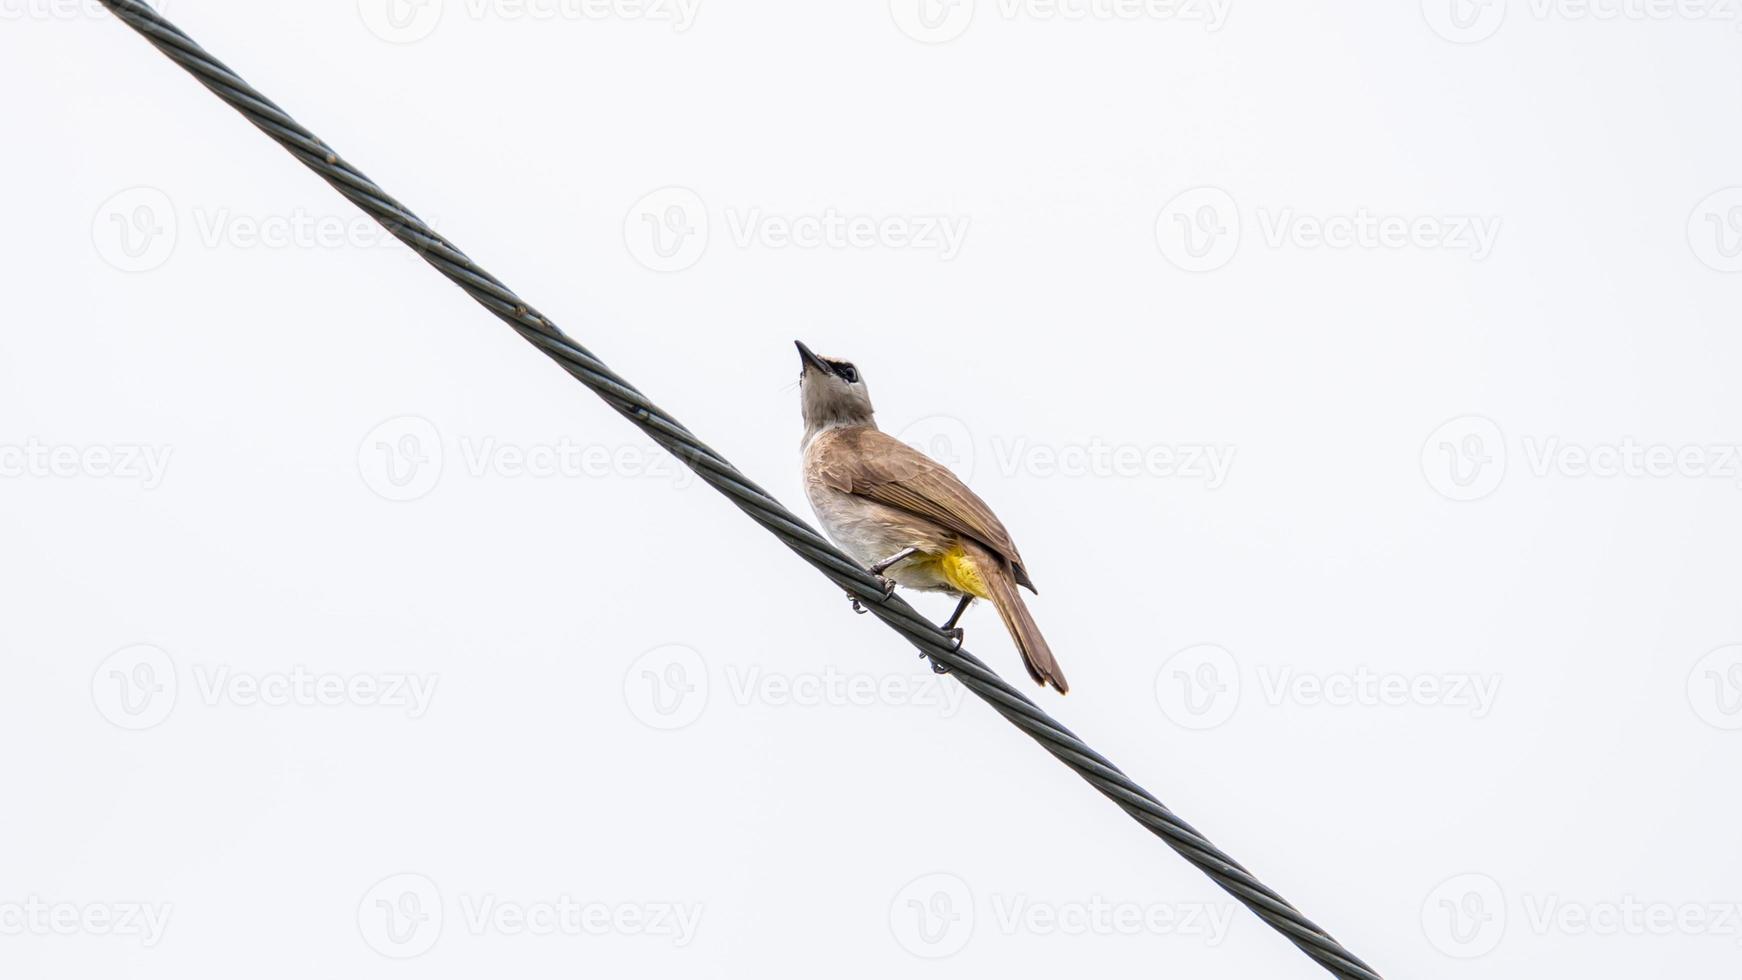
(496, 297)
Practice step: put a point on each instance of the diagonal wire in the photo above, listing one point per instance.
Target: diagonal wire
(750, 498)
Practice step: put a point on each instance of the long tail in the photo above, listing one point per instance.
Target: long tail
(1000, 582)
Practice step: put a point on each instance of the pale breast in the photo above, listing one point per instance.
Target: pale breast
(868, 530)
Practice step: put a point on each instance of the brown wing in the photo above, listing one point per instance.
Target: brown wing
(880, 467)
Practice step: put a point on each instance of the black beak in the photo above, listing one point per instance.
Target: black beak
(811, 360)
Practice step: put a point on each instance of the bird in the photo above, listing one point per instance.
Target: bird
(904, 516)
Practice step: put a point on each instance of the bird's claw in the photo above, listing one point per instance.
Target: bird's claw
(886, 585)
(956, 634)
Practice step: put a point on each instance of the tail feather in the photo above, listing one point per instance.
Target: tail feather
(1000, 581)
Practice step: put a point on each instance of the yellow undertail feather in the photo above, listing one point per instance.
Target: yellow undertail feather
(983, 575)
(959, 570)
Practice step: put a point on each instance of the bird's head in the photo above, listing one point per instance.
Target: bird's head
(831, 392)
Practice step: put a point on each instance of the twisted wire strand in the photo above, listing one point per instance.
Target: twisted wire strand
(712, 468)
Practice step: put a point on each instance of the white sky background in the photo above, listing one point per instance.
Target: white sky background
(1291, 653)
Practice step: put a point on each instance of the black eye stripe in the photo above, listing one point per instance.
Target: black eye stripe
(847, 372)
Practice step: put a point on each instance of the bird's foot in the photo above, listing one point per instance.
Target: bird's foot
(955, 634)
(886, 585)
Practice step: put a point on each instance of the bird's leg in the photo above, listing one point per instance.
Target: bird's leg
(955, 617)
(878, 569)
(884, 565)
(950, 627)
